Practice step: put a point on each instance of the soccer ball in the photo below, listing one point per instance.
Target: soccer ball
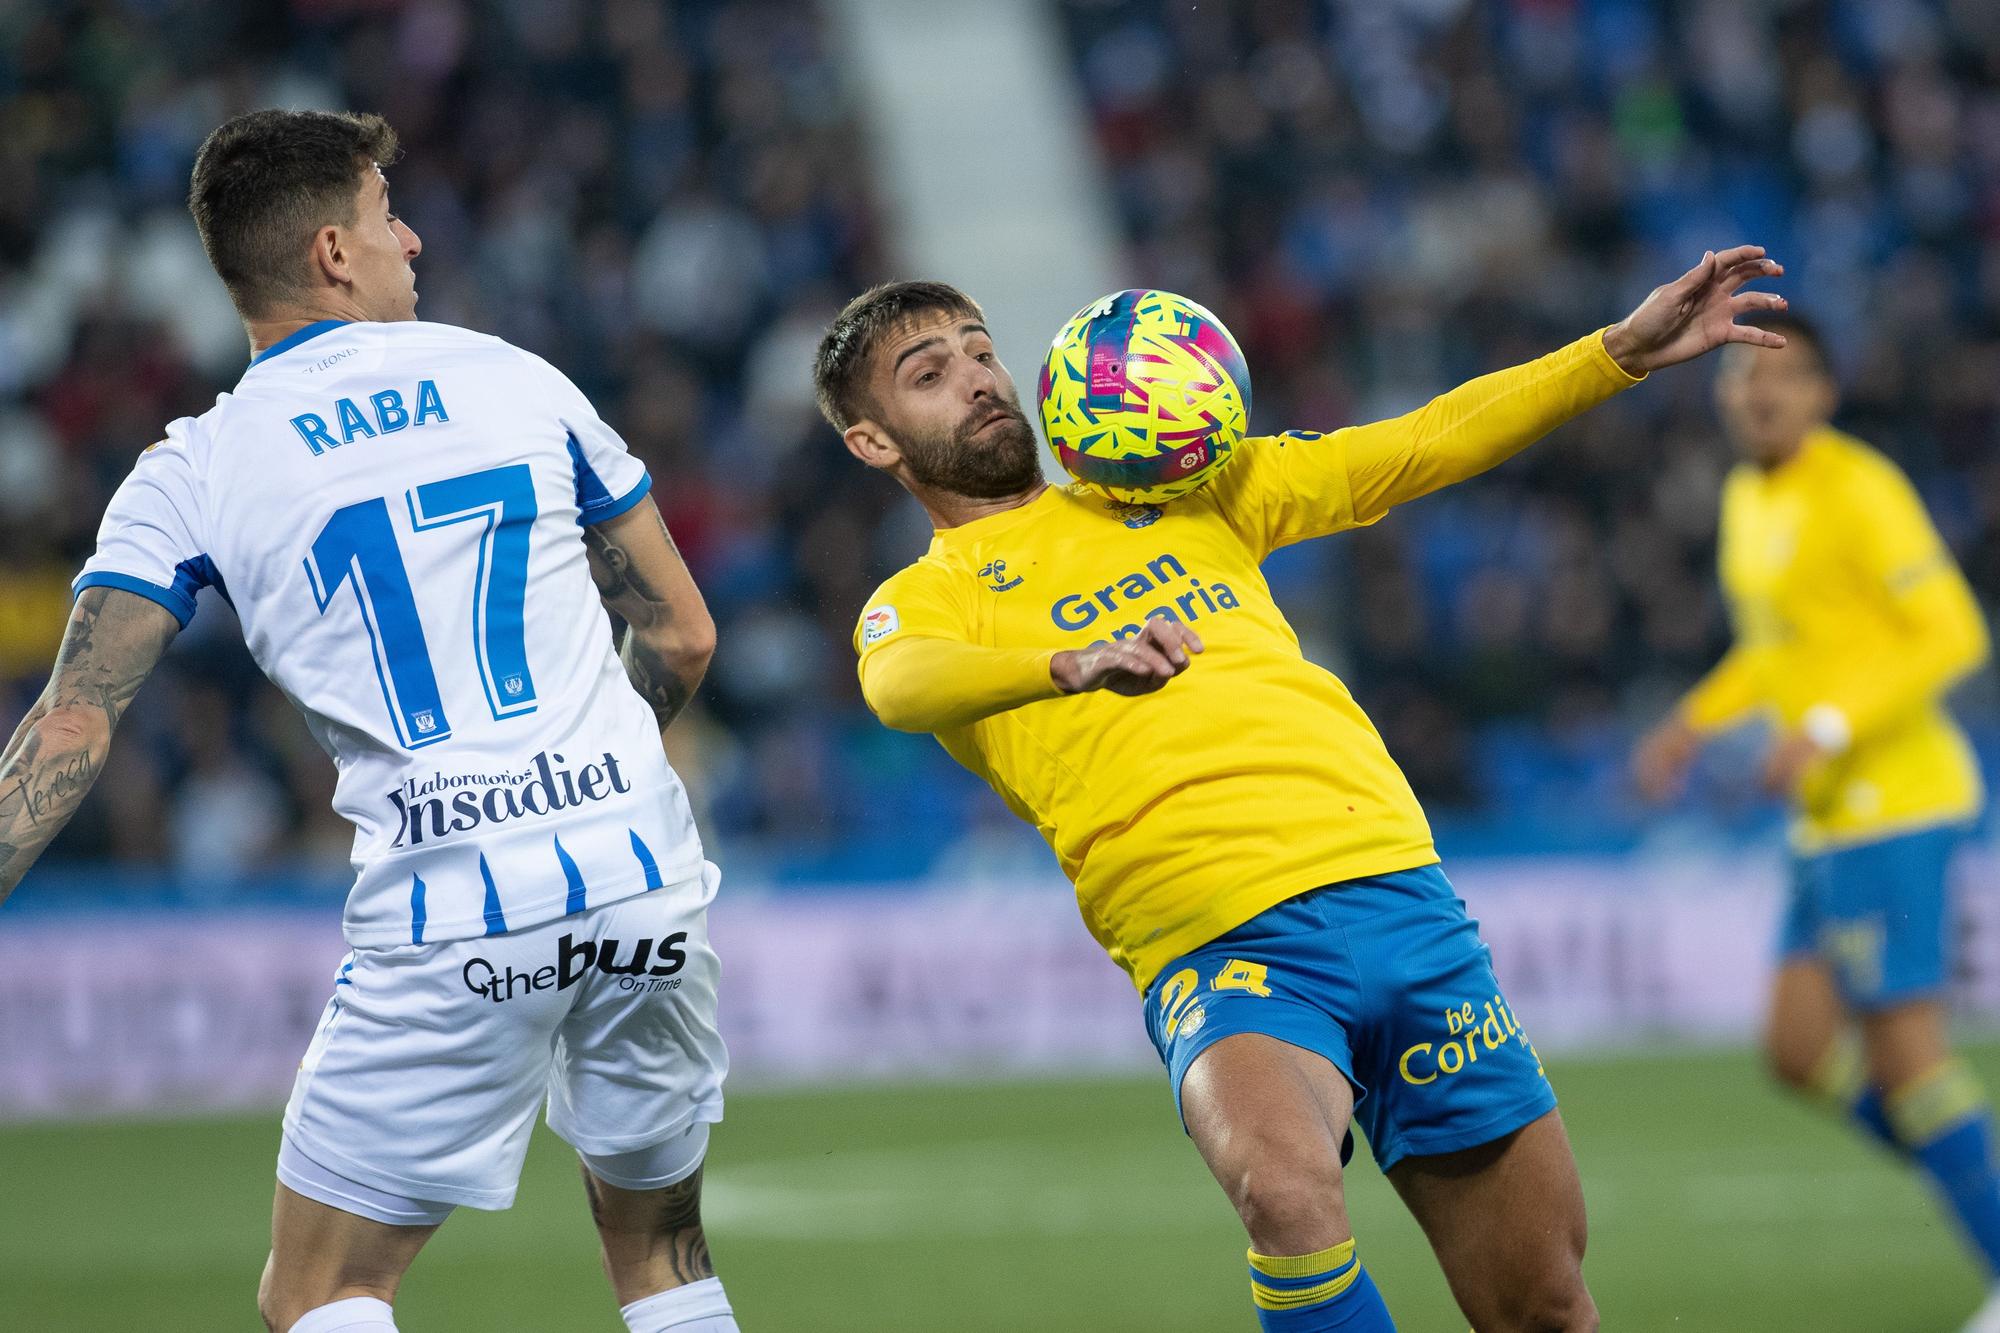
(1144, 396)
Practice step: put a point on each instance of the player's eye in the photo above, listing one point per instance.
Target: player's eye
(394, 218)
(926, 377)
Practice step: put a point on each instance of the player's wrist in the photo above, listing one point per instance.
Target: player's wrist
(1827, 727)
(1066, 671)
(1621, 344)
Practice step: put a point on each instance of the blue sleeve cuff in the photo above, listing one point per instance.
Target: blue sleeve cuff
(178, 602)
(607, 510)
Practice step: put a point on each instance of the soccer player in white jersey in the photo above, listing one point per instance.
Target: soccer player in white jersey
(420, 529)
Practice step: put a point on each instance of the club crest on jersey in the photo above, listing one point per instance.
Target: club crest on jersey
(513, 685)
(996, 570)
(1134, 516)
(426, 722)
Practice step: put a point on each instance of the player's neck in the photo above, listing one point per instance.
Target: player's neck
(1777, 460)
(948, 509)
(270, 332)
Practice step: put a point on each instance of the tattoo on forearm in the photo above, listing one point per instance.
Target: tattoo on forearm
(60, 747)
(645, 609)
(674, 1222)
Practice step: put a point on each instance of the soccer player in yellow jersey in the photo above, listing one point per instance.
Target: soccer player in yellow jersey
(1240, 841)
(1852, 621)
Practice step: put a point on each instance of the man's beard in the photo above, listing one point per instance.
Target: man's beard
(1005, 462)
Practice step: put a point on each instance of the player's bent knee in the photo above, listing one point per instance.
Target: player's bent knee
(1793, 1063)
(1290, 1207)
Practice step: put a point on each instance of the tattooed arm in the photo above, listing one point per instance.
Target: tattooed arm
(642, 579)
(113, 642)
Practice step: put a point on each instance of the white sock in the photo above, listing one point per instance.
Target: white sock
(357, 1314)
(699, 1307)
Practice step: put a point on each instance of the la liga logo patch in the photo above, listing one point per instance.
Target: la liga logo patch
(878, 623)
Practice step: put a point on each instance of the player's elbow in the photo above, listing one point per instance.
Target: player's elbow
(74, 729)
(685, 645)
(897, 711)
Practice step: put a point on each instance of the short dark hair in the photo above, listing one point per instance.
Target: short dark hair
(840, 367)
(265, 181)
(1797, 330)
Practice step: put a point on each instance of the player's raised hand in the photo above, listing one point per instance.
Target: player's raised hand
(1697, 312)
(1161, 650)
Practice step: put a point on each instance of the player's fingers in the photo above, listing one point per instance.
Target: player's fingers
(1167, 636)
(1756, 337)
(1740, 254)
(1144, 659)
(1750, 272)
(1191, 639)
(1695, 278)
(1751, 303)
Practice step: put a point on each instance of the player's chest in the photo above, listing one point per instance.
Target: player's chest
(1081, 582)
(1775, 545)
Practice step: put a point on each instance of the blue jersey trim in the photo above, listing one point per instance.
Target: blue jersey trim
(283, 345)
(496, 920)
(594, 501)
(417, 914)
(178, 599)
(646, 862)
(624, 502)
(577, 893)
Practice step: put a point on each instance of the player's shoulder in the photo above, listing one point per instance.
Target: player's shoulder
(1856, 469)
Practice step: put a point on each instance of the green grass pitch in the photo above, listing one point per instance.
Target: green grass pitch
(1066, 1206)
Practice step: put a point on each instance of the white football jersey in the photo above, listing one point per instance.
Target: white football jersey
(395, 511)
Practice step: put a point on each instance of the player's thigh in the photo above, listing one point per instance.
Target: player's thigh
(1880, 917)
(1506, 1220)
(1806, 1018)
(320, 1254)
(424, 1076)
(1446, 1062)
(638, 1061)
(1269, 1118)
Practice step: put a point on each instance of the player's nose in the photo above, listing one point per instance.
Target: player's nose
(413, 244)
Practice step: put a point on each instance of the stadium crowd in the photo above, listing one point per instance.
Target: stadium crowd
(1380, 197)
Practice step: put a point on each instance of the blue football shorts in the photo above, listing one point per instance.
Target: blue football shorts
(1388, 979)
(1875, 915)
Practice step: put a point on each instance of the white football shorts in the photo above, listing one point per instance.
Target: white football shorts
(423, 1078)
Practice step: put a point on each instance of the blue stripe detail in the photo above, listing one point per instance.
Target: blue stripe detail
(575, 877)
(284, 345)
(646, 862)
(594, 501)
(177, 600)
(625, 501)
(417, 914)
(198, 572)
(345, 968)
(496, 920)
(1294, 1283)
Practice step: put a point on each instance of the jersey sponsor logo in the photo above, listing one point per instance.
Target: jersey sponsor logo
(1466, 1031)
(447, 804)
(387, 412)
(574, 960)
(996, 570)
(1180, 596)
(878, 623)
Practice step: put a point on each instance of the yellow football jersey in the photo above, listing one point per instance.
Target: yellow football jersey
(1253, 776)
(1844, 597)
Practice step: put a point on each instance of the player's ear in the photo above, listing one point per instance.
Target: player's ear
(329, 253)
(867, 441)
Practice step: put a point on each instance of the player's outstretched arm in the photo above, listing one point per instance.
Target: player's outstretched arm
(640, 576)
(114, 640)
(928, 685)
(1485, 421)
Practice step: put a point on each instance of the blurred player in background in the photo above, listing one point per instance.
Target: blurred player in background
(1852, 621)
(1240, 840)
(420, 529)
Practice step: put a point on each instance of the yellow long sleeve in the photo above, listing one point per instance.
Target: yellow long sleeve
(1730, 692)
(1477, 425)
(1943, 639)
(925, 684)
